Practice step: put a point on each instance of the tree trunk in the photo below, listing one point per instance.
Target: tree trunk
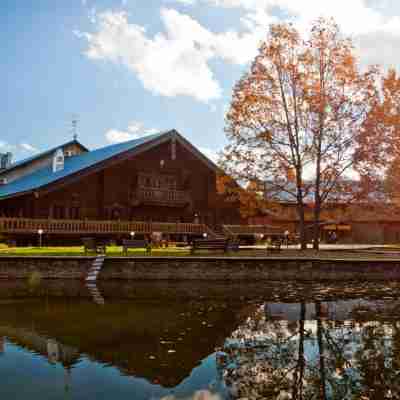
(321, 351)
(316, 227)
(300, 208)
(302, 230)
(301, 364)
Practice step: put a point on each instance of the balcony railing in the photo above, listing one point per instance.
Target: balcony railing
(54, 226)
(162, 196)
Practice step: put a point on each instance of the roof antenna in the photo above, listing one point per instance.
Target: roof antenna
(74, 126)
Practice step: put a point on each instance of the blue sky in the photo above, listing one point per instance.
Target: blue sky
(128, 67)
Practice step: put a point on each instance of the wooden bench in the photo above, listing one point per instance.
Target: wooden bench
(233, 245)
(93, 245)
(275, 245)
(215, 244)
(135, 244)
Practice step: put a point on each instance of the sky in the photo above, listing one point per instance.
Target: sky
(126, 68)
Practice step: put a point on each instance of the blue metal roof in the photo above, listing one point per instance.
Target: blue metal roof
(72, 165)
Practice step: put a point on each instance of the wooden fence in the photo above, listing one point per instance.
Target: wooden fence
(54, 226)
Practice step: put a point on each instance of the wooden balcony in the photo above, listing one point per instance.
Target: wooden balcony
(78, 227)
(165, 197)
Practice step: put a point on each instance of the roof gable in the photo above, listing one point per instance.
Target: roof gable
(197, 153)
(96, 159)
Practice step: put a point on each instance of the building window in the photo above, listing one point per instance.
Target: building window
(58, 212)
(157, 181)
(75, 213)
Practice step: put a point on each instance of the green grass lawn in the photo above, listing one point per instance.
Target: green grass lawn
(113, 251)
(116, 251)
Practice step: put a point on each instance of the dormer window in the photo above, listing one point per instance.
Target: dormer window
(69, 153)
(5, 160)
(58, 161)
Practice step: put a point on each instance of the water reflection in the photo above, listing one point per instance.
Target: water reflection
(95, 293)
(195, 342)
(273, 356)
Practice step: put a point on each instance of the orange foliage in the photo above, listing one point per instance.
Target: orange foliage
(301, 106)
(379, 150)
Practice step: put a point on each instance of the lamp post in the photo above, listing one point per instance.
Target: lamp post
(40, 233)
(132, 235)
(205, 235)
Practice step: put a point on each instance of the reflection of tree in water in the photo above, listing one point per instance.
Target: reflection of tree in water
(259, 360)
(378, 361)
(317, 358)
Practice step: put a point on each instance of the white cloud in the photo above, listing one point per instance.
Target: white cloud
(135, 126)
(151, 131)
(198, 395)
(184, 2)
(17, 149)
(170, 64)
(373, 24)
(116, 136)
(28, 147)
(6, 147)
(210, 153)
(134, 131)
(176, 61)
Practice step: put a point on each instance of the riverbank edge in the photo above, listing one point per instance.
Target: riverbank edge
(203, 268)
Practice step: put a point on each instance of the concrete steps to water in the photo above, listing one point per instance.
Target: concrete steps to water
(95, 269)
(95, 293)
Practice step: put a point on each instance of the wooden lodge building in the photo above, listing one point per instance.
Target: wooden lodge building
(363, 223)
(159, 183)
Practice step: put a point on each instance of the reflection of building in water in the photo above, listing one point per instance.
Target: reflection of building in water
(49, 348)
(53, 354)
(2, 344)
(335, 310)
(150, 339)
(95, 293)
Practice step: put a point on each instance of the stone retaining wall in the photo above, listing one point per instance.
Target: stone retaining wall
(48, 267)
(202, 268)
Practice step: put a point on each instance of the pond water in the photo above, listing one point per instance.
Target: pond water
(198, 341)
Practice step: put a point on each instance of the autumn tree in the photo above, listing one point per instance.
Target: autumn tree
(381, 131)
(248, 199)
(295, 117)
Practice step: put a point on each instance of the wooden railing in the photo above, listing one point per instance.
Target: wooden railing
(53, 226)
(232, 230)
(164, 196)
